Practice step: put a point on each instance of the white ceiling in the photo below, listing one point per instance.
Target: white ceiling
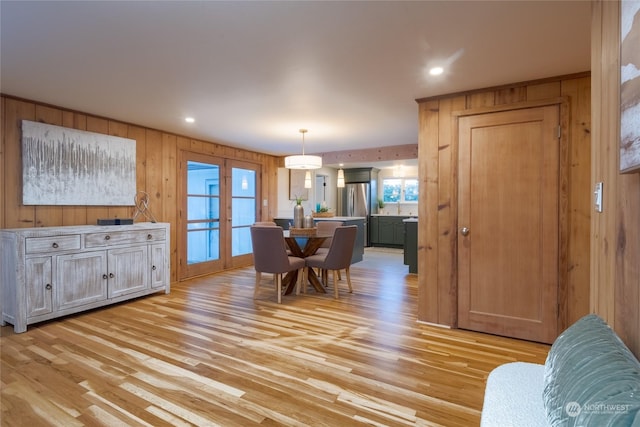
(253, 73)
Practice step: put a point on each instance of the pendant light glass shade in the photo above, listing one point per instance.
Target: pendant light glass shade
(340, 178)
(303, 161)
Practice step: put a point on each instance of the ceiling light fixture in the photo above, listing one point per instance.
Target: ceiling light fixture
(340, 182)
(189, 120)
(436, 71)
(303, 161)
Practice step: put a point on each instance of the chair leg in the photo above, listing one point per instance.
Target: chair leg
(300, 280)
(257, 285)
(305, 279)
(334, 273)
(279, 287)
(348, 274)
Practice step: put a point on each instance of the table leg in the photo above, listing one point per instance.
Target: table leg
(289, 282)
(315, 281)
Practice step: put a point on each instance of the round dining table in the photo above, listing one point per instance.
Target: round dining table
(303, 246)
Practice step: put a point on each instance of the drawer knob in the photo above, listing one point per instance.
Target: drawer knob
(48, 286)
(153, 268)
(149, 237)
(107, 237)
(55, 245)
(104, 276)
(111, 276)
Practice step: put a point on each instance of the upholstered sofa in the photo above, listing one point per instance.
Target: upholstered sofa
(590, 378)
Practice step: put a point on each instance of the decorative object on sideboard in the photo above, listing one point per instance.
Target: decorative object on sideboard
(62, 166)
(142, 206)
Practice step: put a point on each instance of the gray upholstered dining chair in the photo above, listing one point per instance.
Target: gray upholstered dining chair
(326, 227)
(337, 258)
(270, 256)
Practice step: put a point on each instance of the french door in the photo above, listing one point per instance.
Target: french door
(218, 205)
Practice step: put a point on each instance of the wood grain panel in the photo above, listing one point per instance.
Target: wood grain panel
(209, 354)
(428, 231)
(447, 209)
(170, 200)
(548, 90)
(578, 93)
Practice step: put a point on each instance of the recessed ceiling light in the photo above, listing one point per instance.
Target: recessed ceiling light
(189, 119)
(436, 71)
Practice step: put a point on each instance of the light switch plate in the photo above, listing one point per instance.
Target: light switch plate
(597, 197)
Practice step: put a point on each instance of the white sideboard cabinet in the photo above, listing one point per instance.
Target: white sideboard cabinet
(49, 272)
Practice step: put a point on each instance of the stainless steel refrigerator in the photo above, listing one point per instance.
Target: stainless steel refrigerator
(355, 200)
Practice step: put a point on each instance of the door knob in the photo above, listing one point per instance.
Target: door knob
(464, 231)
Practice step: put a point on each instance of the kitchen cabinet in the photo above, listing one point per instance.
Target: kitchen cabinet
(47, 272)
(387, 231)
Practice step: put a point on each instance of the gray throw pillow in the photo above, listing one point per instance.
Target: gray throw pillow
(591, 378)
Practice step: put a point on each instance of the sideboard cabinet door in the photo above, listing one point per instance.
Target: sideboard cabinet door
(159, 266)
(128, 270)
(39, 286)
(81, 279)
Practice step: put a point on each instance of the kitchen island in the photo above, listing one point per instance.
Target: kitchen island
(359, 221)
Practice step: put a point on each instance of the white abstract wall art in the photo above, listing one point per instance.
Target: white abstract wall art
(630, 86)
(62, 166)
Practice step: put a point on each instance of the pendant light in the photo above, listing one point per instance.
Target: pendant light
(340, 182)
(303, 161)
(307, 180)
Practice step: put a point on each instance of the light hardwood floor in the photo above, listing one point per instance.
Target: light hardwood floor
(208, 354)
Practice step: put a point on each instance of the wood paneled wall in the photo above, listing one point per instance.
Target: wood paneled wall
(437, 262)
(156, 169)
(615, 232)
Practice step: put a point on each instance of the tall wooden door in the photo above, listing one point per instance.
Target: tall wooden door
(508, 231)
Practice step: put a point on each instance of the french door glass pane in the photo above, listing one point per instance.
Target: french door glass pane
(203, 212)
(243, 209)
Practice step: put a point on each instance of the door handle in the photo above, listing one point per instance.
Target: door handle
(464, 231)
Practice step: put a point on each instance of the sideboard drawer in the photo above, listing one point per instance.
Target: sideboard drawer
(95, 240)
(39, 245)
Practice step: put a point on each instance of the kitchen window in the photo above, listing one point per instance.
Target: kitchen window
(400, 190)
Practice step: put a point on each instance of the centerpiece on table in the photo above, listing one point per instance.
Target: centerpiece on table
(302, 226)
